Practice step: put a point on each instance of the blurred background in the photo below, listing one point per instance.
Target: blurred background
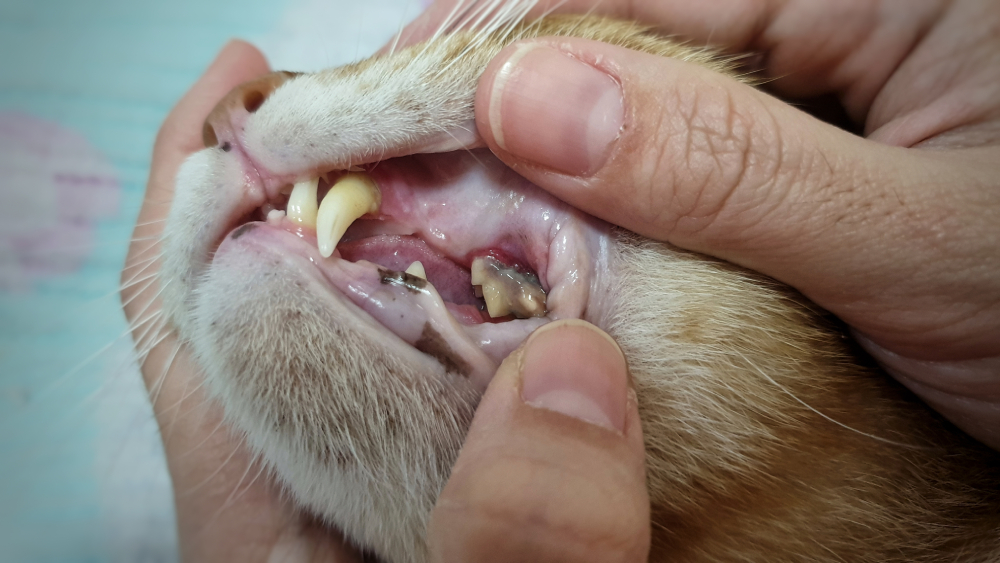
(84, 86)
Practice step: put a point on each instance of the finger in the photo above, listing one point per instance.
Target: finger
(553, 466)
(179, 136)
(679, 153)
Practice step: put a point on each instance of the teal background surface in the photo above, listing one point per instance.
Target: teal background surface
(84, 86)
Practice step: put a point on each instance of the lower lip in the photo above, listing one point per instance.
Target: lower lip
(361, 289)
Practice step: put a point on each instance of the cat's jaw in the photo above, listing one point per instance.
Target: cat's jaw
(443, 210)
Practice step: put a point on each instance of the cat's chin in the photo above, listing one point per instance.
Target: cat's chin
(360, 428)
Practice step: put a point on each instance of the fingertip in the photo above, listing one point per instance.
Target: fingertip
(551, 470)
(548, 105)
(573, 368)
(240, 56)
(237, 62)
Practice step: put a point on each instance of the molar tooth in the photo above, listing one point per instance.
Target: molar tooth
(302, 203)
(353, 196)
(478, 271)
(417, 269)
(530, 305)
(496, 303)
(505, 290)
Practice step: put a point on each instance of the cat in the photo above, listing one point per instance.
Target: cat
(354, 377)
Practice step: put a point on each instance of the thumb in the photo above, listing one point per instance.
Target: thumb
(553, 468)
(682, 154)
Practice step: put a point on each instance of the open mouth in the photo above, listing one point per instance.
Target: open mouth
(453, 253)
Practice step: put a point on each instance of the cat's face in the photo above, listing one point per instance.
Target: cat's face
(356, 381)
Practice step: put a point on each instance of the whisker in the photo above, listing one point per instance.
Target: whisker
(211, 476)
(236, 494)
(829, 419)
(154, 390)
(204, 440)
(153, 222)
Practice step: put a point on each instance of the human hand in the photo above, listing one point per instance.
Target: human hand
(530, 483)
(898, 233)
(227, 510)
(553, 467)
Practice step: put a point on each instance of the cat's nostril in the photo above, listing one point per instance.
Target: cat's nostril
(248, 97)
(252, 100)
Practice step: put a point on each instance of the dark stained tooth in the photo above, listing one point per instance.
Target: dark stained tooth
(507, 290)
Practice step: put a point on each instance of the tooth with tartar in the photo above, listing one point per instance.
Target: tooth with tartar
(302, 203)
(505, 290)
(496, 303)
(417, 269)
(354, 195)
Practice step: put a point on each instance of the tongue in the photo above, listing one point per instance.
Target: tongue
(397, 252)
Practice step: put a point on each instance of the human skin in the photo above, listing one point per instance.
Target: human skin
(897, 232)
(548, 426)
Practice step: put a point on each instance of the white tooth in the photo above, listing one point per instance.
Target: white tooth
(351, 197)
(417, 269)
(496, 303)
(275, 216)
(530, 306)
(302, 203)
(478, 271)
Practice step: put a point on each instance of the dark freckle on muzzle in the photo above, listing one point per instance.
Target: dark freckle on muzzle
(412, 283)
(432, 344)
(242, 230)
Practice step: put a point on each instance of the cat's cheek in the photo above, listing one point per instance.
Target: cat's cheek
(359, 431)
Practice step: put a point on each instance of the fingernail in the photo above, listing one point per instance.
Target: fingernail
(573, 368)
(555, 110)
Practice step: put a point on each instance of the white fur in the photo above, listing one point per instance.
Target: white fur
(743, 467)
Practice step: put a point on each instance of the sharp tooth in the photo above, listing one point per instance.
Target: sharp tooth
(352, 196)
(417, 269)
(496, 304)
(302, 203)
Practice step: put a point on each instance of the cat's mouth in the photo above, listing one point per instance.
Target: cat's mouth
(453, 253)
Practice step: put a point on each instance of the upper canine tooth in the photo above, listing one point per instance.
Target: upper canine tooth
(302, 203)
(354, 195)
(417, 269)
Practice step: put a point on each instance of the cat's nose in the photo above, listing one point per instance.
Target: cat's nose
(240, 102)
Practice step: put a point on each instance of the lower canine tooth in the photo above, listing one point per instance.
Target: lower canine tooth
(417, 269)
(354, 195)
(302, 203)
